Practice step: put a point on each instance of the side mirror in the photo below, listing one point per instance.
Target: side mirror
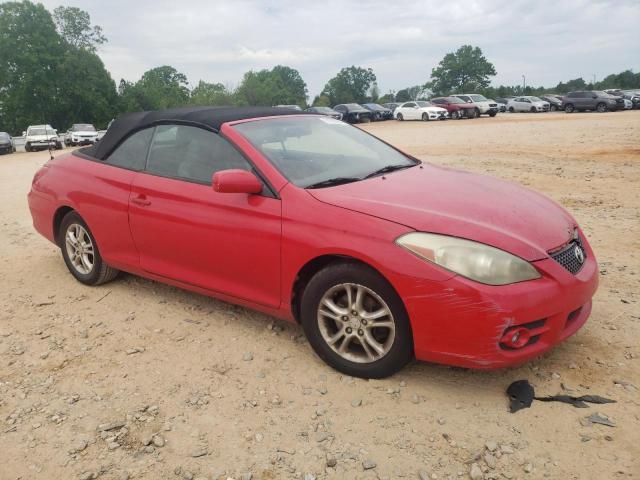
(236, 181)
(595, 96)
(24, 133)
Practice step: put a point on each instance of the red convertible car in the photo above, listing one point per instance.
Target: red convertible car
(380, 256)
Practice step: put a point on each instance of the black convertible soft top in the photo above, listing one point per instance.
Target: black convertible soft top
(211, 118)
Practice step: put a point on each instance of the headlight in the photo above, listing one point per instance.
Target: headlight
(473, 260)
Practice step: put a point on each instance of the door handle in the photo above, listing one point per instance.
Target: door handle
(141, 200)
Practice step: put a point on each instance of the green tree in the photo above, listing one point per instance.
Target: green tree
(466, 69)
(351, 84)
(74, 25)
(281, 85)
(211, 94)
(571, 85)
(159, 88)
(87, 91)
(30, 54)
(321, 101)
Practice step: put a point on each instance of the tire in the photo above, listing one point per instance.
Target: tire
(27, 147)
(477, 112)
(425, 117)
(73, 226)
(553, 108)
(455, 115)
(601, 107)
(493, 114)
(400, 117)
(511, 110)
(569, 108)
(394, 342)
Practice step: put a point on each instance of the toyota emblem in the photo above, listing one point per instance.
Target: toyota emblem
(579, 254)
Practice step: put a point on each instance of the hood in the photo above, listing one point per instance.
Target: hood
(433, 109)
(467, 205)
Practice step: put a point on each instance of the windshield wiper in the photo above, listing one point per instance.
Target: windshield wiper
(389, 168)
(331, 182)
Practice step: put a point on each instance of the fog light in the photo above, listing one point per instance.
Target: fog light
(516, 337)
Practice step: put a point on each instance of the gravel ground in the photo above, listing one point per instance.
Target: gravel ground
(139, 380)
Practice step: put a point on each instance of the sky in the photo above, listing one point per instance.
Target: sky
(547, 41)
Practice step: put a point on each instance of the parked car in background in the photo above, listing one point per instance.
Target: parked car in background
(455, 107)
(353, 113)
(634, 96)
(292, 107)
(81, 134)
(420, 110)
(631, 100)
(527, 103)
(555, 103)
(41, 137)
(6, 143)
(329, 112)
(593, 100)
(378, 111)
(369, 249)
(502, 103)
(392, 105)
(483, 105)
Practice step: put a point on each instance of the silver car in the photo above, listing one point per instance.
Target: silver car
(527, 103)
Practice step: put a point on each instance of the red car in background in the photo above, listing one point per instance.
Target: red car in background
(381, 257)
(457, 108)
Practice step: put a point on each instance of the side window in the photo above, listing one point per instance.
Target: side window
(132, 153)
(340, 108)
(409, 105)
(437, 101)
(191, 153)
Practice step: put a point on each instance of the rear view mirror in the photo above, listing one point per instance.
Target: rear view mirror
(236, 181)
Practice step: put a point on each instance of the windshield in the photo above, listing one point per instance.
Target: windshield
(455, 100)
(37, 131)
(373, 106)
(310, 150)
(84, 127)
(324, 110)
(478, 98)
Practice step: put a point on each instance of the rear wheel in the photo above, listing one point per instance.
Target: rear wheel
(569, 108)
(601, 107)
(553, 108)
(400, 117)
(511, 110)
(455, 115)
(80, 252)
(356, 322)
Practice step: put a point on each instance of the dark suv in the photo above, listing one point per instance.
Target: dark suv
(591, 100)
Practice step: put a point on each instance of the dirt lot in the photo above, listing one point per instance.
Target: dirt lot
(88, 376)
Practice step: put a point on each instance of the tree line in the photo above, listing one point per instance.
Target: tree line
(52, 74)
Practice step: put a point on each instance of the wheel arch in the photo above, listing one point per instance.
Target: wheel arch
(313, 266)
(57, 220)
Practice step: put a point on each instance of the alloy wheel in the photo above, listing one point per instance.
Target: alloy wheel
(79, 248)
(356, 323)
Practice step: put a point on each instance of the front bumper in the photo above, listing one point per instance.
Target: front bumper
(6, 148)
(463, 323)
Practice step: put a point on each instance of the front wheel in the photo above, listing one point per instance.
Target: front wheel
(27, 147)
(80, 252)
(356, 322)
(493, 114)
(477, 112)
(425, 117)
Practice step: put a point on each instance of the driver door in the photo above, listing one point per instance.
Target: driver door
(184, 230)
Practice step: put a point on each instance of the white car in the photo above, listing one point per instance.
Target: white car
(81, 134)
(527, 104)
(483, 104)
(41, 137)
(420, 110)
